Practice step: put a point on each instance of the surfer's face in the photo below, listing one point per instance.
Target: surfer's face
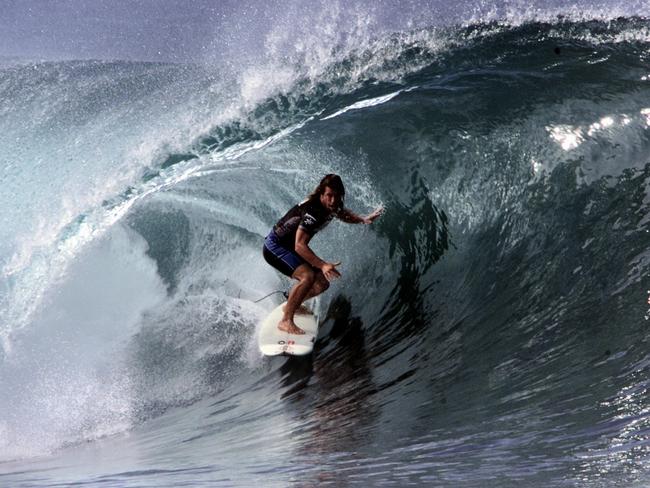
(330, 199)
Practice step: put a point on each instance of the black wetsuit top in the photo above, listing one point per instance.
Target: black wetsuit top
(310, 216)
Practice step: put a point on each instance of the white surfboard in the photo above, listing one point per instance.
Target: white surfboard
(273, 341)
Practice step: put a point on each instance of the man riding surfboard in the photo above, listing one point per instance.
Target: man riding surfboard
(286, 247)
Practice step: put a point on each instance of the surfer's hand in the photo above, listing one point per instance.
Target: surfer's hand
(330, 271)
(370, 218)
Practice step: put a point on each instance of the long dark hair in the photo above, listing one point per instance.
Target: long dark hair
(331, 180)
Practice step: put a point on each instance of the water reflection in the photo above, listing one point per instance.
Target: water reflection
(331, 392)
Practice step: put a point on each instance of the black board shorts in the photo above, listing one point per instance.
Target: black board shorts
(284, 260)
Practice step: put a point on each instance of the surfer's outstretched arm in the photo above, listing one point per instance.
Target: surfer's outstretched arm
(347, 215)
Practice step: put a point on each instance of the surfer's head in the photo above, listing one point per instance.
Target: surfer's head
(330, 191)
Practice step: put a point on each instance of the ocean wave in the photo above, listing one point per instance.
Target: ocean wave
(500, 300)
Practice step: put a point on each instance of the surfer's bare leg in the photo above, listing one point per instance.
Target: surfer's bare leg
(320, 285)
(306, 278)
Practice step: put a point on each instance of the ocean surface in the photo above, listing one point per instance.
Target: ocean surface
(489, 330)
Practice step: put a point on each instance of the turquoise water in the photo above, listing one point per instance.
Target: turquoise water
(489, 330)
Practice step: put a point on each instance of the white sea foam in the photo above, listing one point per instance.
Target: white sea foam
(65, 379)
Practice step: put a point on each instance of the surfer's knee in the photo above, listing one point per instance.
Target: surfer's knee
(322, 287)
(321, 283)
(305, 274)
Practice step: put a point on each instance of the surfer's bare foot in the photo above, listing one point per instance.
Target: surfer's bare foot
(290, 327)
(302, 310)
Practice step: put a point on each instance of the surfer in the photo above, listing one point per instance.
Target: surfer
(286, 247)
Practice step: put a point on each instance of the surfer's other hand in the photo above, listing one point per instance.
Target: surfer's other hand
(330, 271)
